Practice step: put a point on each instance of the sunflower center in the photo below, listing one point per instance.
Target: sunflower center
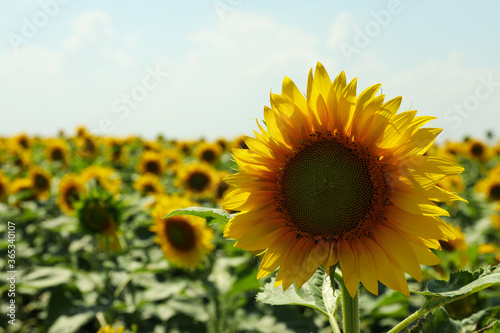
(72, 195)
(153, 167)
(97, 217)
(57, 154)
(41, 182)
(495, 192)
(198, 181)
(208, 156)
(331, 187)
(180, 233)
(477, 150)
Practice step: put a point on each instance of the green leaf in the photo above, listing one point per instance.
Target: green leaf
(212, 215)
(461, 284)
(437, 321)
(313, 294)
(70, 324)
(45, 277)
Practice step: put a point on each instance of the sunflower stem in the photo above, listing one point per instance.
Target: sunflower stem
(350, 307)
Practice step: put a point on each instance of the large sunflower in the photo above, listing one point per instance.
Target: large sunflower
(185, 240)
(340, 178)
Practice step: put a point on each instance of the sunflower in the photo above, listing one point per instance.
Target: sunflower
(115, 149)
(171, 157)
(86, 146)
(151, 162)
(239, 142)
(149, 184)
(40, 179)
(477, 150)
(185, 240)
(22, 189)
(104, 177)
(495, 221)
(452, 184)
(337, 178)
(223, 144)
(490, 186)
(99, 214)
(110, 329)
(208, 152)
(57, 150)
(81, 131)
(22, 140)
(198, 179)
(453, 148)
(71, 190)
(4, 186)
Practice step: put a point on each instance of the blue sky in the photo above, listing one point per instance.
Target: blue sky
(190, 69)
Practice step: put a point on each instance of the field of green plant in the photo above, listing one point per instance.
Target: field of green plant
(84, 247)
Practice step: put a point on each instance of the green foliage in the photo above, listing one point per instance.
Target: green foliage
(212, 215)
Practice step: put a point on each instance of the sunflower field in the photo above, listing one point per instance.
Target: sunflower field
(87, 245)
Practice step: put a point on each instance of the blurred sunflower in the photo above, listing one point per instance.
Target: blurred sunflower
(81, 131)
(185, 240)
(57, 150)
(149, 184)
(239, 143)
(151, 162)
(453, 148)
(115, 149)
(208, 152)
(495, 221)
(4, 186)
(99, 214)
(452, 184)
(22, 189)
(40, 179)
(110, 329)
(490, 187)
(86, 146)
(222, 186)
(19, 156)
(477, 150)
(223, 144)
(22, 140)
(337, 178)
(457, 243)
(104, 177)
(171, 157)
(486, 248)
(71, 190)
(198, 179)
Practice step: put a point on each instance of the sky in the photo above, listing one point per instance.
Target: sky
(205, 69)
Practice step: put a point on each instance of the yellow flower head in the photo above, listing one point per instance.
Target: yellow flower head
(57, 150)
(149, 184)
(151, 162)
(110, 329)
(40, 179)
(185, 240)
(105, 177)
(86, 146)
(486, 248)
(71, 190)
(23, 188)
(340, 178)
(198, 179)
(490, 186)
(208, 152)
(478, 150)
(22, 140)
(4, 186)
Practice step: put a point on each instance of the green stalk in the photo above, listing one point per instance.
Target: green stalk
(350, 307)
